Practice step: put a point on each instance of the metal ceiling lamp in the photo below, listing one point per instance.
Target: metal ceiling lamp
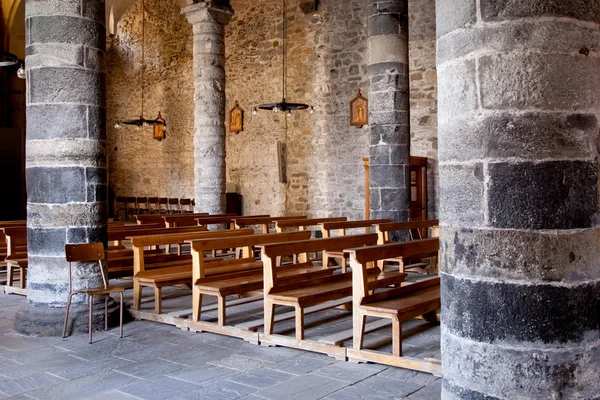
(283, 105)
(141, 121)
(9, 59)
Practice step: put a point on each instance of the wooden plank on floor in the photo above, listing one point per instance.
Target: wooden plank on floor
(415, 364)
(339, 338)
(203, 326)
(15, 290)
(255, 324)
(339, 353)
(162, 318)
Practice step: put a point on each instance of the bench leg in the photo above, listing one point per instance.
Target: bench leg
(137, 295)
(344, 264)
(269, 316)
(196, 304)
(9, 275)
(221, 310)
(299, 323)
(121, 315)
(396, 337)
(22, 277)
(158, 300)
(431, 316)
(358, 330)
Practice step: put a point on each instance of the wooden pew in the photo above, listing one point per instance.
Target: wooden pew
(242, 281)
(415, 230)
(314, 291)
(244, 222)
(398, 304)
(168, 273)
(159, 218)
(302, 224)
(341, 228)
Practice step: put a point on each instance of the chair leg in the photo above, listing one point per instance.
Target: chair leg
(91, 301)
(121, 316)
(64, 335)
(106, 313)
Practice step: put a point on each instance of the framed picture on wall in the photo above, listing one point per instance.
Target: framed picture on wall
(359, 111)
(236, 119)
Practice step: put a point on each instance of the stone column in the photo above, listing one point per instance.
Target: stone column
(389, 150)
(65, 152)
(519, 101)
(208, 21)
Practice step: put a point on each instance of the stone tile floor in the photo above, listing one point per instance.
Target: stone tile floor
(156, 361)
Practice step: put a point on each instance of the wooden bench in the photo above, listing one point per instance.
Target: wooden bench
(169, 273)
(342, 228)
(414, 230)
(398, 304)
(244, 222)
(242, 281)
(313, 291)
(160, 218)
(302, 223)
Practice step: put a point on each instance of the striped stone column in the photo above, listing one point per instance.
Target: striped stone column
(65, 153)
(389, 148)
(519, 101)
(208, 21)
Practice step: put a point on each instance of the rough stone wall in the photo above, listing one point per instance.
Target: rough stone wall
(139, 165)
(423, 92)
(326, 66)
(327, 63)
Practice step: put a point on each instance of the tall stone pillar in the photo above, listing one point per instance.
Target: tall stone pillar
(519, 101)
(208, 21)
(65, 153)
(389, 118)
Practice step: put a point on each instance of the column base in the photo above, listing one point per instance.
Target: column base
(42, 321)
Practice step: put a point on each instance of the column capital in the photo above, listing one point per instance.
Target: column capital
(199, 11)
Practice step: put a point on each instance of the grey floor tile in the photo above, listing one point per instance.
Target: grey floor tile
(432, 391)
(404, 375)
(26, 383)
(197, 356)
(158, 388)
(376, 387)
(112, 395)
(83, 387)
(240, 362)
(206, 375)
(149, 369)
(302, 364)
(261, 378)
(305, 387)
(349, 372)
(224, 390)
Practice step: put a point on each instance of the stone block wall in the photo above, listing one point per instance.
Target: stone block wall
(139, 165)
(327, 64)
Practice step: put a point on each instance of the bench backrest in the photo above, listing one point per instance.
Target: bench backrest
(416, 229)
(246, 242)
(303, 223)
(138, 243)
(270, 253)
(342, 226)
(362, 258)
(16, 240)
(140, 231)
(264, 221)
(160, 218)
(153, 225)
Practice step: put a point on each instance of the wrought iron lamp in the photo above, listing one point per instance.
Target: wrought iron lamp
(283, 105)
(141, 121)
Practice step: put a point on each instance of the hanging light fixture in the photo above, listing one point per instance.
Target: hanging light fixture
(141, 121)
(283, 105)
(8, 59)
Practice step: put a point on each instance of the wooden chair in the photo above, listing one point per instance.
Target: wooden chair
(186, 206)
(130, 207)
(163, 205)
(120, 207)
(142, 205)
(174, 207)
(153, 205)
(86, 253)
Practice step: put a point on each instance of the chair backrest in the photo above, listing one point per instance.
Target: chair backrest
(142, 202)
(85, 252)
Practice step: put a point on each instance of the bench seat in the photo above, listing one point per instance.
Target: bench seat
(406, 306)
